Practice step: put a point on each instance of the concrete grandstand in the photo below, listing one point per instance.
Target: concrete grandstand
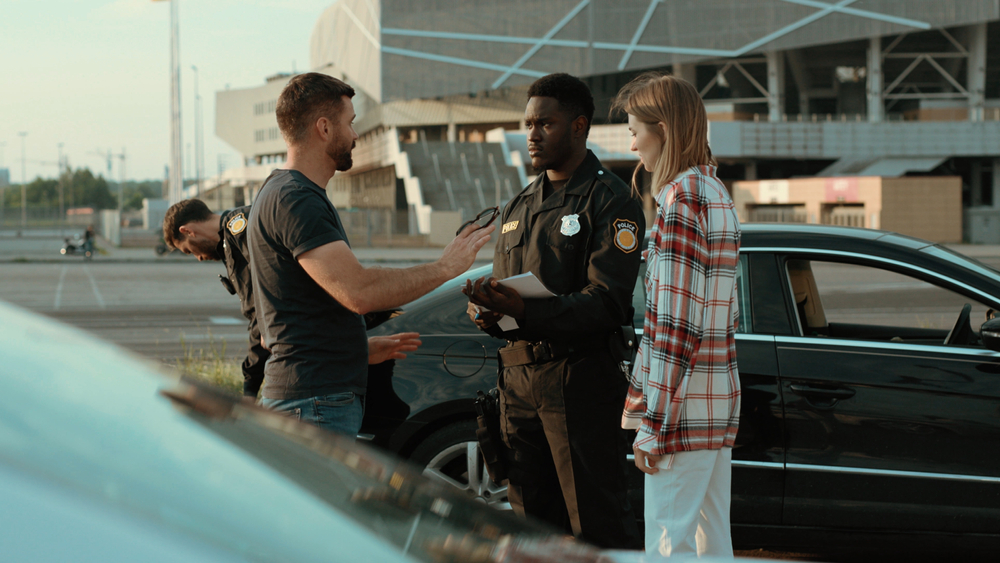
(793, 88)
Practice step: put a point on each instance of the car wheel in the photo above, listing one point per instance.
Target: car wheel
(452, 456)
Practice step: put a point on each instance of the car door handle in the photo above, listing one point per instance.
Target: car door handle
(818, 392)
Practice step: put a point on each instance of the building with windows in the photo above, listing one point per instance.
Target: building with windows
(794, 88)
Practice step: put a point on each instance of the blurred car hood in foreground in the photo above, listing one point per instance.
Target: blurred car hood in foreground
(102, 457)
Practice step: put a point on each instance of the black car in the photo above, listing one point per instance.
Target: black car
(870, 407)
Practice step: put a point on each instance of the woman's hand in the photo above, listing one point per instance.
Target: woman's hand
(646, 462)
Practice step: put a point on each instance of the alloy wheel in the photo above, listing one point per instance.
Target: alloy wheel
(461, 466)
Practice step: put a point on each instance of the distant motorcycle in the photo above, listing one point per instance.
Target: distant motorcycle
(162, 249)
(77, 246)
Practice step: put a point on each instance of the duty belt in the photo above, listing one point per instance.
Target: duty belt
(524, 352)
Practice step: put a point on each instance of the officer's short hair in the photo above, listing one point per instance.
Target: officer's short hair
(180, 214)
(573, 95)
(306, 98)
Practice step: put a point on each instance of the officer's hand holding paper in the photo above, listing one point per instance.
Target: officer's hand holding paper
(506, 296)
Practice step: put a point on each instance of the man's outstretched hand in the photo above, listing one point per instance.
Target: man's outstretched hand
(382, 348)
(461, 252)
(493, 295)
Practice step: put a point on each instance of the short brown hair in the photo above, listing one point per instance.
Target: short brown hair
(657, 98)
(306, 98)
(180, 214)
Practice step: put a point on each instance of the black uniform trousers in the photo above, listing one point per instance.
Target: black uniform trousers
(562, 421)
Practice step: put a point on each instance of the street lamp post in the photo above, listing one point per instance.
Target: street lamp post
(121, 186)
(198, 139)
(176, 146)
(62, 209)
(24, 182)
(3, 188)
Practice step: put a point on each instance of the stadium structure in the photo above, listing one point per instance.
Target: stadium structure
(842, 90)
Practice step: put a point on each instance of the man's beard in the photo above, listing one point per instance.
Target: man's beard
(343, 159)
(209, 249)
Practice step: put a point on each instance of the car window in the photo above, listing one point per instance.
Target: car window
(962, 260)
(742, 296)
(843, 300)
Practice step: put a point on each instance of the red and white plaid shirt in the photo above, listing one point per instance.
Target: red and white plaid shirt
(685, 392)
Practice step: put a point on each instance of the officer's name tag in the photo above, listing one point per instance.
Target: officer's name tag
(508, 227)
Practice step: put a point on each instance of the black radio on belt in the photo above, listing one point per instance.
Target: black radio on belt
(227, 284)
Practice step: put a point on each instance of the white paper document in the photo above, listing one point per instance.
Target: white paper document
(528, 286)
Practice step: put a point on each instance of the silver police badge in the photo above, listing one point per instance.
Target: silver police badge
(570, 225)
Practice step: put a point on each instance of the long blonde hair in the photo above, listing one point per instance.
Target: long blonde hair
(661, 98)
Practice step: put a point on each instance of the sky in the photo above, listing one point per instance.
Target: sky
(95, 75)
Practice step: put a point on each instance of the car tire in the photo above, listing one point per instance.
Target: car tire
(447, 455)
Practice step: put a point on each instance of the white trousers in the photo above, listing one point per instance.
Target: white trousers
(687, 504)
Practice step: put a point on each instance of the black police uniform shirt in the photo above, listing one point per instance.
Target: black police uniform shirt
(583, 243)
(318, 346)
(234, 252)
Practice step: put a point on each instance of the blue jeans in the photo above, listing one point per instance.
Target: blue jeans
(339, 412)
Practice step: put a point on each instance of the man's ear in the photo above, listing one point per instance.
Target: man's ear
(324, 128)
(580, 126)
(185, 231)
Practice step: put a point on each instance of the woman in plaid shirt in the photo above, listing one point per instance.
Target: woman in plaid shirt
(684, 399)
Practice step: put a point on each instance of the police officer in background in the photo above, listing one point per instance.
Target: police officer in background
(578, 228)
(191, 227)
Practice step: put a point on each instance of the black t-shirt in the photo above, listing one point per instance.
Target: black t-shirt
(318, 347)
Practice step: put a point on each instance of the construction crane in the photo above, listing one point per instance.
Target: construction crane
(108, 156)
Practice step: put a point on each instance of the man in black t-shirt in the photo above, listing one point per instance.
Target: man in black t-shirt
(191, 227)
(311, 292)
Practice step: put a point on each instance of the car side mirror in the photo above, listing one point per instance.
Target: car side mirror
(990, 334)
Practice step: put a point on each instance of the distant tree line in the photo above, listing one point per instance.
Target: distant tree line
(82, 189)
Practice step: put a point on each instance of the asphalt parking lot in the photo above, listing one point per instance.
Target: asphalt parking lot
(157, 306)
(164, 306)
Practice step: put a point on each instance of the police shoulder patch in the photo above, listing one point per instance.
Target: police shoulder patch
(626, 235)
(237, 224)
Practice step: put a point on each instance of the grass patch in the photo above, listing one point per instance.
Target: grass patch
(210, 365)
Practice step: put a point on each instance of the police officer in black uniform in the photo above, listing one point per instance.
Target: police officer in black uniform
(578, 228)
(237, 259)
(191, 227)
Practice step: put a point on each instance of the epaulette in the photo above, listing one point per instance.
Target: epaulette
(613, 182)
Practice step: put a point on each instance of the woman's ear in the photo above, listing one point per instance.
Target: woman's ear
(663, 130)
